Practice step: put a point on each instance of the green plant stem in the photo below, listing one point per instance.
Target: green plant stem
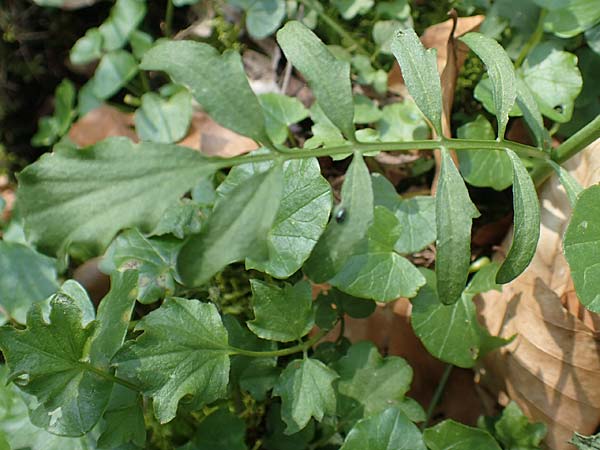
(437, 395)
(282, 352)
(169, 18)
(567, 150)
(108, 376)
(335, 26)
(533, 40)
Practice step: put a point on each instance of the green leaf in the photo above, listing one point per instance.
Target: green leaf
(328, 77)
(531, 113)
(123, 421)
(216, 81)
(572, 187)
(114, 71)
(419, 69)
(390, 429)
(124, 17)
(514, 431)
(526, 223)
(83, 197)
(402, 121)
(484, 93)
(281, 314)
(359, 308)
(183, 351)
(51, 361)
(501, 72)
(352, 8)
(306, 391)
(236, 230)
(454, 435)
(340, 238)
(368, 75)
(586, 442)
(325, 133)
(182, 218)
(375, 383)
(571, 17)
(451, 332)
(164, 120)
(280, 112)
(263, 17)
(554, 79)
(26, 277)
(87, 48)
(365, 110)
(582, 248)
(221, 430)
(301, 217)
(153, 258)
(277, 439)
(485, 167)
(56, 126)
(140, 43)
(454, 216)
(21, 433)
(592, 36)
(374, 270)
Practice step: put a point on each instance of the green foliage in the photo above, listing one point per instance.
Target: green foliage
(185, 368)
(586, 442)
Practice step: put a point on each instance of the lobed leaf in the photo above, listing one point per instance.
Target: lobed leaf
(237, 228)
(526, 223)
(451, 434)
(216, 81)
(328, 77)
(454, 215)
(76, 200)
(582, 248)
(183, 351)
(306, 391)
(164, 120)
(419, 69)
(263, 17)
(501, 72)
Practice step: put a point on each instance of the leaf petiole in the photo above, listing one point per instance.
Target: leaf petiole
(281, 352)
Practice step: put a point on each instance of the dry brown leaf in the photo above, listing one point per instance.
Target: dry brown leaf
(552, 368)
(100, 123)
(212, 139)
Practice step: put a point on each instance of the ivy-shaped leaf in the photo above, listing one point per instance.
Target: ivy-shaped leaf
(328, 77)
(390, 429)
(57, 359)
(375, 383)
(454, 435)
(301, 217)
(374, 270)
(263, 17)
(305, 388)
(216, 81)
(281, 314)
(183, 351)
(454, 216)
(527, 223)
(582, 248)
(26, 277)
(164, 120)
(402, 121)
(154, 259)
(501, 72)
(76, 200)
(341, 236)
(280, 112)
(419, 69)
(451, 332)
(237, 228)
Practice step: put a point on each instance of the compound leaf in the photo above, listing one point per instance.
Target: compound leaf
(183, 351)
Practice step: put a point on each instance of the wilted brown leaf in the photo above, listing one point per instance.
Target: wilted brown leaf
(552, 368)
